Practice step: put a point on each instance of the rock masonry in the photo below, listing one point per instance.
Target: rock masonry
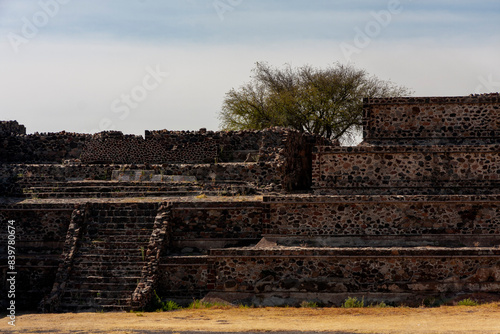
(110, 221)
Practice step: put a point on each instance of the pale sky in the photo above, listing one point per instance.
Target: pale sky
(135, 65)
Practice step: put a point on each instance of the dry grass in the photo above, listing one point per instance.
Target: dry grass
(446, 319)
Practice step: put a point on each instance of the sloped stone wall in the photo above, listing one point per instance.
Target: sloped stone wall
(183, 278)
(204, 225)
(40, 232)
(407, 169)
(383, 215)
(329, 275)
(472, 119)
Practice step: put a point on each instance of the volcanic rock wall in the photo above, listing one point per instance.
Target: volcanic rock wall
(437, 120)
(290, 275)
(420, 169)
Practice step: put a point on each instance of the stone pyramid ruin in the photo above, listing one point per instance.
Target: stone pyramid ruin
(273, 217)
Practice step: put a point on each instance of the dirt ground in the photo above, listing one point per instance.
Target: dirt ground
(446, 319)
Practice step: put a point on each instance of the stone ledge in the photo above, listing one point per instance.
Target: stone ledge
(312, 199)
(407, 149)
(483, 98)
(364, 252)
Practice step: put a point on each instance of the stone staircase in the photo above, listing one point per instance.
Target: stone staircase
(122, 189)
(107, 266)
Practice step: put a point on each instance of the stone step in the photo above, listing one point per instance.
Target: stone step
(99, 279)
(114, 252)
(109, 235)
(89, 260)
(91, 189)
(89, 246)
(122, 216)
(381, 241)
(143, 239)
(119, 194)
(123, 225)
(144, 206)
(109, 262)
(139, 221)
(85, 285)
(109, 267)
(113, 189)
(125, 213)
(104, 259)
(107, 272)
(97, 294)
(109, 246)
(96, 303)
(457, 187)
(51, 183)
(124, 231)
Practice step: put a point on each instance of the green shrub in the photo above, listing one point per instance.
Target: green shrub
(170, 305)
(308, 304)
(353, 303)
(158, 305)
(468, 302)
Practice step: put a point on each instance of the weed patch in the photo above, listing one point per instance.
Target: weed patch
(468, 302)
(353, 303)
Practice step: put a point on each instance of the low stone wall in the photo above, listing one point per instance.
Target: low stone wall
(199, 226)
(183, 278)
(459, 215)
(40, 235)
(231, 140)
(161, 146)
(37, 227)
(14, 177)
(42, 148)
(34, 280)
(438, 119)
(11, 128)
(276, 159)
(390, 169)
(125, 149)
(263, 176)
(329, 275)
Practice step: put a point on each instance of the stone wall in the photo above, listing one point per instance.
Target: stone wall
(233, 140)
(199, 226)
(199, 147)
(115, 147)
(15, 177)
(330, 275)
(407, 169)
(11, 128)
(183, 278)
(40, 235)
(277, 157)
(263, 176)
(472, 119)
(41, 148)
(450, 220)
